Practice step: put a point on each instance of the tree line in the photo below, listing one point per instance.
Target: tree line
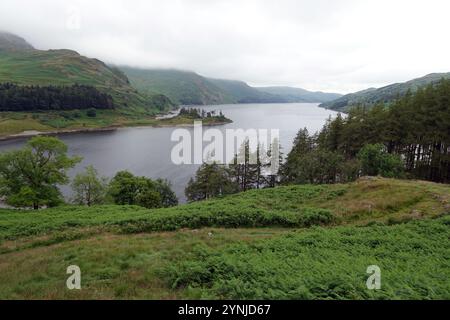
(35, 98)
(248, 170)
(197, 113)
(415, 128)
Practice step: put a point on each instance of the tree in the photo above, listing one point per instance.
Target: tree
(295, 169)
(211, 180)
(168, 197)
(89, 189)
(125, 188)
(376, 161)
(30, 176)
(246, 167)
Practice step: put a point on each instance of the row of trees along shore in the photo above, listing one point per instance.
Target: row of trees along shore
(37, 98)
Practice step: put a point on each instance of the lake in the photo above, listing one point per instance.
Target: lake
(147, 151)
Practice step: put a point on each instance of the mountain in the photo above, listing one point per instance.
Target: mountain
(11, 42)
(183, 87)
(300, 95)
(190, 88)
(384, 95)
(25, 66)
(243, 93)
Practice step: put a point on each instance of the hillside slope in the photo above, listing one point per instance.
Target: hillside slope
(189, 88)
(385, 95)
(183, 87)
(23, 65)
(246, 246)
(300, 95)
(243, 93)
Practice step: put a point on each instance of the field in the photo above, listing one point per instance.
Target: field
(295, 242)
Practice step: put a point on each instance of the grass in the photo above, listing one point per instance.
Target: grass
(294, 242)
(380, 200)
(324, 264)
(113, 266)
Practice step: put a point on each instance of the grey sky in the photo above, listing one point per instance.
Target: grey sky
(329, 45)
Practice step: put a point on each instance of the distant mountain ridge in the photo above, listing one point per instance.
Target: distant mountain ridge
(11, 42)
(190, 88)
(300, 95)
(386, 95)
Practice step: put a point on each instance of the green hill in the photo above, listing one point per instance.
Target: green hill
(293, 242)
(243, 93)
(66, 67)
(300, 95)
(23, 65)
(183, 87)
(189, 88)
(384, 95)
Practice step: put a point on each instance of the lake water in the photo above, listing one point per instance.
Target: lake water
(147, 151)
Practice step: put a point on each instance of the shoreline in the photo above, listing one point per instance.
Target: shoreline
(34, 133)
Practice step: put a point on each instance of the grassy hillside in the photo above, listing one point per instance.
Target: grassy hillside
(385, 95)
(189, 88)
(256, 244)
(300, 95)
(66, 67)
(243, 93)
(183, 87)
(23, 65)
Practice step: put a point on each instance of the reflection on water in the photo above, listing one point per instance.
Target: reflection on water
(147, 151)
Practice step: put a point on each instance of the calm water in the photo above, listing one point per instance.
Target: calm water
(147, 151)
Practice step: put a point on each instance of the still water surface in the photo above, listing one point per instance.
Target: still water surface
(147, 151)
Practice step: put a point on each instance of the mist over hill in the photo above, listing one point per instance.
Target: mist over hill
(11, 42)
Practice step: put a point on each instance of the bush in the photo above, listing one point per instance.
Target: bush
(376, 161)
(125, 188)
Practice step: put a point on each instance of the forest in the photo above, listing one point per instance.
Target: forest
(40, 98)
(415, 129)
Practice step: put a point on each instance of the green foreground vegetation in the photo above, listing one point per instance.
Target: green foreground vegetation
(294, 242)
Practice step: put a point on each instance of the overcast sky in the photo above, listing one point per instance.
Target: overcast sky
(330, 45)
